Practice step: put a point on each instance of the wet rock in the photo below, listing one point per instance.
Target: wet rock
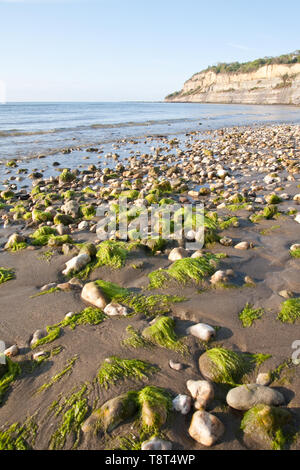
(206, 428)
(156, 444)
(202, 331)
(177, 253)
(202, 391)
(114, 309)
(246, 396)
(92, 293)
(182, 404)
(76, 264)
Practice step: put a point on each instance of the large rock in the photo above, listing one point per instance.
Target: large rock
(111, 414)
(245, 397)
(262, 424)
(206, 428)
(92, 293)
(156, 444)
(77, 263)
(202, 392)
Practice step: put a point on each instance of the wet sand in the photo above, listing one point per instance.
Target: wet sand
(247, 155)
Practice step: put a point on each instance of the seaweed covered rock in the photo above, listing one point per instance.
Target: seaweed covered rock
(112, 413)
(155, 403)
(206, 428)
(222, 365)
(93, 294)
(14, 242)
(247, 396)
(263, 425)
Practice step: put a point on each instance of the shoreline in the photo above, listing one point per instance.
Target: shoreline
(237, 173)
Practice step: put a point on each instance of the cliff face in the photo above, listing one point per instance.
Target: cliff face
(270, 84)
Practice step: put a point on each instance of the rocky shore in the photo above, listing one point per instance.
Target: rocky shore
(143, 343)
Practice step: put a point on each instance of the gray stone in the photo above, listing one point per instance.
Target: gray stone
(245, 397)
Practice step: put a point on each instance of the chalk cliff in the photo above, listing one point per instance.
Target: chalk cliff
(269, 84)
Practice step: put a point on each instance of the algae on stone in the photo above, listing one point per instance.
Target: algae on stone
(162, 333)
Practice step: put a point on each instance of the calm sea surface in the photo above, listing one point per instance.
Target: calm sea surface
(31, 129)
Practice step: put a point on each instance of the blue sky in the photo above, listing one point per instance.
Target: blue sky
(110, 50)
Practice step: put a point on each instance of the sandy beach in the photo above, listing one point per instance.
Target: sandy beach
(248, 179)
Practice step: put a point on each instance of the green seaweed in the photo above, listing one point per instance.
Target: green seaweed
(53, 334)
(13, 370)
(88, 212)
(162, 334)
(148, 305)
(66, 176)
(135, 340)
(19, 436)
(230, 366)
(73, 410)
(185, 270)
(42, 235)
(290, 311)
(88, 316)
(266, 423)
(57, 377)
(159, 402)
(45, 292)
(114, 369)
(295, 253)
(249, 314)
(6, 274)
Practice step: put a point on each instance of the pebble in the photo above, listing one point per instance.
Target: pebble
(156, 444)
(206, 428)
(114, 309)
(182, 404)
(242, 246)
(202, 391)
(92, 293)
(175, 365)
(202, 331)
